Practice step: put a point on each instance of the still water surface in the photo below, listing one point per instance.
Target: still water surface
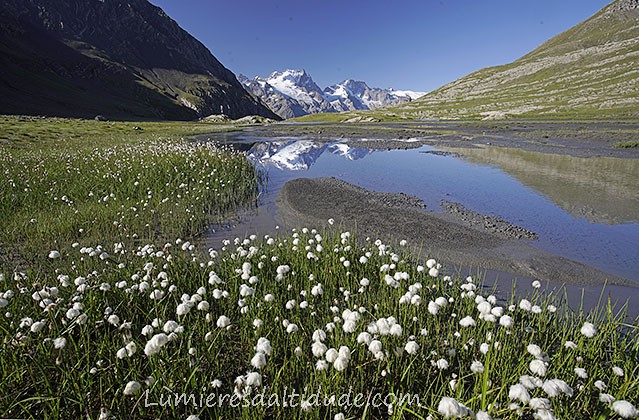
(585, 209)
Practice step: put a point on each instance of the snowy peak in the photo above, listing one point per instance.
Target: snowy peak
(299, 155)
(299, 78)
(363, 97)
(293, 93)
(356, 87)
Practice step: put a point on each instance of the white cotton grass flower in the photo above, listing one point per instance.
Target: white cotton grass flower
(264, 346)
(319, 335)
(321, 364)
(467, 321)
(506, 321)
(519, 392)
(113, 320)
(588, 330)
(538, 367)
(625, 409)
(534, 350)
(525, 305)
(341, 363)
(449, 408)
(364, 338)
(411, 347)
(259, 360)
(331, 355)
(570, 345)
(375, 346)
(606, 398)
(442, 364)
(132, 388)
(530, 382)
(600, 385)
(581, 372)
(223, 321)
(37, 326)
(59, 342)
(482, 415)
(396, 330)
(477, 367)
(484, 307)
(155, 344)
(554, 387)
(539, 403)
(433, 308)
(253, 379)
(617, 371)
(318, 348)
(183, 308)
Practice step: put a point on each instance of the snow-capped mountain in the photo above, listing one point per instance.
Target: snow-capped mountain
(289, 93)
(293, 93)
(355, 95)
(297, 155)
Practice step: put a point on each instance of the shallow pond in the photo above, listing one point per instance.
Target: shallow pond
(585, 209)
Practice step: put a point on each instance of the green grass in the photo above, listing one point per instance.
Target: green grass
(64, 180)
(97, 230)
(87, 375)
(627, 144)
(38, 133)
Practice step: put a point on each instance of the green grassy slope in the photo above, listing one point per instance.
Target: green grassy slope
(590, 71)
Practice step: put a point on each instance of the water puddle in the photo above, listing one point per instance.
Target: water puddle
(585, 209)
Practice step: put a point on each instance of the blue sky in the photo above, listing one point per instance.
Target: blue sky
(411, 44)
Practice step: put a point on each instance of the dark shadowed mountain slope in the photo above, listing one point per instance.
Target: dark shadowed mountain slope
(119, 58)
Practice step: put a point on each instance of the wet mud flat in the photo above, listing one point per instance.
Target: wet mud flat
(444, 236)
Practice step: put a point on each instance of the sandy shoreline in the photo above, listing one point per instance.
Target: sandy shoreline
(441, 235)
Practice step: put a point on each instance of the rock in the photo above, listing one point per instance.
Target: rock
(215, 118)
(253, 119)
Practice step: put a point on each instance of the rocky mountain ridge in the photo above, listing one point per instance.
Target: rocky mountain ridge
(293, 93)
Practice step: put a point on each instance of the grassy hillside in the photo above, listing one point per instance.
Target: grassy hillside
(590, 71)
